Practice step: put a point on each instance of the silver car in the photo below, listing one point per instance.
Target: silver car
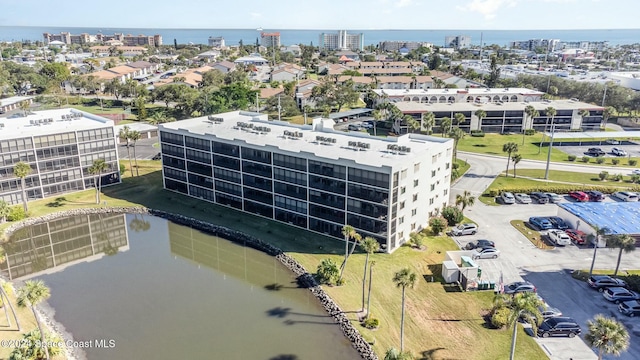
(507, 198)
(486, 253)
(553, 197)
(465, 229)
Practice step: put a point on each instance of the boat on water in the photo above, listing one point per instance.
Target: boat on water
(259, 29)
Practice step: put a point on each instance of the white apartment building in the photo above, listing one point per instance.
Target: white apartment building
(341, 41)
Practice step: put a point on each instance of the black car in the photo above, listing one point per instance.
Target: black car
(540, 197)
(601, 282)
(558, 223)
(595, 152)
(595, 195)
(480, 244)
(559, 326)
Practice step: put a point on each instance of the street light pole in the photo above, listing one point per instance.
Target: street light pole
(546, 170)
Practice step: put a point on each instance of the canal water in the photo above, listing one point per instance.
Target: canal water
(141, 287)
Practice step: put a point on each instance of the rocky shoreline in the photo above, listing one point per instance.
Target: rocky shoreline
(305, 279)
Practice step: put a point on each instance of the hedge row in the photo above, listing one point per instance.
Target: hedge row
(556, 188)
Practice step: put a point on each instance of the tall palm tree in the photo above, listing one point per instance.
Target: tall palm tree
(480, 114)
(624, 243)
(600, 232)
(530, 113)
(4, 212)
(135, 136)
(370, 283)
(465, 199)
(369, 245)
(583, 113)
(606, 114)
(516, 159)
(607, 335)
(404, 278)
(6, 301)
(31, 294)
(522, 306)
(551, 113)
(125, 134)
(22, 170)
(445, 125)
(96, 169)
(509, 148)
(457, 134)
(349, 233)
(459, 118)
(412, 123)
(428, 122)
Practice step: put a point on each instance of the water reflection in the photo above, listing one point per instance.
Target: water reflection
(57, 244)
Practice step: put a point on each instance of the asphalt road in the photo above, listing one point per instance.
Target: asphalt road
(144, 149)
(549, 270)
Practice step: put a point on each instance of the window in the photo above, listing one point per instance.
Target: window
(415, 182)
(402, 205)
(413, 226)
(447, 166)
(433, 173)
(416, 167)
(401, 220)
(434, 159)
(415, 197)
(431, 201)
(403, 189)
(433, 187)
(446, 191)
(414, 212)
(403, 174)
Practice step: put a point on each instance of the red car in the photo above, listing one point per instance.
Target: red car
(579, 195)
(577, 236)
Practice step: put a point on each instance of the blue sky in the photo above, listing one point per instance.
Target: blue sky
(325, 14)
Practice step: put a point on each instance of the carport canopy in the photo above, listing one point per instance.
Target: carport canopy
(350, 113)
(590, 136)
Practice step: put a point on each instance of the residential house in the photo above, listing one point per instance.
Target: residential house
(224, 66)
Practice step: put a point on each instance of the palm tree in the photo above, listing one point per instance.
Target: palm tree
(369, 245)
(349, 233)
(22, 170)
(457, 134)
(428, 122)
(159, 117)
(623, 242)
(583, 113)
(459, 118)
(531, 113)
(370, 282)
(395, 354)
(412, 123)
(135, 136)
(31, 294)
(551, 113)
(600, 232)
(445, 125)
(24, 106)
(516, 159)
(509, 148)
(125, 134)
(465, 199)
(4, 212)
(404, 278)
(607, 335)
(606, 114)
(3, 294)
(96, 169)
(523, 306)
(481, 114)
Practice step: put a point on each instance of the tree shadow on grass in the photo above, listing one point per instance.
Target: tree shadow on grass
(436, 273)
(285, 357)
(430, 354)
(57, 202)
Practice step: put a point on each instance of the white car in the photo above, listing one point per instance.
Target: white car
(553, 197)
(635, 172)
(559, 237)
(465, 229)
(612, 142)
(523, 198)
(618, 152)
(625, 195)
(507, 198)
(486, 253)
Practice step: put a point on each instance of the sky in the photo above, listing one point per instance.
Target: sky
(325, 14)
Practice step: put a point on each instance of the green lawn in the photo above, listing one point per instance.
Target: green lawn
(532, 235)
(575, 177)
(440, 323)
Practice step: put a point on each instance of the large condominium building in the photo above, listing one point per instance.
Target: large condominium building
(504, 108)
(216, 41)
(397, 45)
(60, 146)
(584, 45)
(270, 40)
(310, 176)
(341, 41)
(548, 45)
(457, 42)
(84, 38)
(69, 38)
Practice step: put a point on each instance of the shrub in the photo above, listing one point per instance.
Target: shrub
(416, 240)
(603, 175)
(437, 224)
(328, 272)
(633, 162)
(585, 159)
(455, 165)
(529, 131)
(560, 188)
(500, 317)
(453, 215)
(635, 178)
(16, 213)
(572, 157)
(617, 177)
(477, 133)
(600, 160)
(615, 161)
(371, 323)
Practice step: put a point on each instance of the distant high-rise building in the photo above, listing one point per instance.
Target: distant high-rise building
(458, 41)
(535, 44)
(216, 41)
(270, 40)
(341, 41)
(69, 38)
(397, 45)
(584, 45)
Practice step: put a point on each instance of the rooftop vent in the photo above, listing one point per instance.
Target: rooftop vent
(262, 129)
(293, 134)
(215, 119)
(1, 126)
(325, 140)
(243, 125)
(359, 145)
(397, 148)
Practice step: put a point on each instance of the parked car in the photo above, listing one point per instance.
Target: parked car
(558, 223)
(612, 142)
(619, 294)
(366, 125)
(539, 197)
(618, 152)
(549, 312)
(559, 237)
(601, 282)
(507, 198)
(579, 195)
(595, 195)
(465, 229)
(595, 152)
(540, 223)
(559, 326)
(625, 195)
(523, 198)
(553, 197)
(635, 172)
(486, 253)
(479, 244)
(518, 287)
(630, 308)
(577, 236)
(354, 127)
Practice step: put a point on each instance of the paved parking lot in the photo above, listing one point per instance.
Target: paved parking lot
(631, 148)
(144, 149)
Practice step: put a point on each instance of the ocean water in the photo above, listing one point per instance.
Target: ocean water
(288, 37)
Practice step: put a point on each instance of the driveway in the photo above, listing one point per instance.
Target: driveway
(144, 149)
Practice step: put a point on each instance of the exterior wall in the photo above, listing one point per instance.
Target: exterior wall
(307, 191)
(270, 40)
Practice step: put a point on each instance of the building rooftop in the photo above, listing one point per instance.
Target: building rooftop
(50, 122)
(590, 135)
(14, 100)
(411, 106)
(319, 139)
(470, 91)
(619, 217)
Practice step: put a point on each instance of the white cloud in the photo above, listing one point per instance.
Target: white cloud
(255, 15)
(487, 8)
(404, 3)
